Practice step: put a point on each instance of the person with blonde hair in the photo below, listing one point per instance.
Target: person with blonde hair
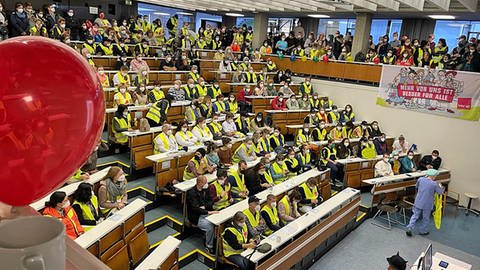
(112, 194)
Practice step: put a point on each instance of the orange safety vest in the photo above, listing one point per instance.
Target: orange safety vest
(69, 218)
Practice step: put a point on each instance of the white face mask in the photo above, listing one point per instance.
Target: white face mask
(229, 145)
(123, 90)
(122, 178)
(169, 132)
(20, 10)
(205, 186)
(382, 139)
(385, 159)
(274, 204)
(241, 224)
(276, 134)
(221, 182)
(184, 129)
(280, 99)
(259, 119)
(389, 54)
(257, 208)
(410, 157)
(322, 126)
(305, 129)
(66, 204)
(70, 14)
(434, 157)
(346, 144)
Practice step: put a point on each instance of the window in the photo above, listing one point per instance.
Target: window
(204, 18)
(281, 25)
(451, 30)
(395, 26)
(330, 26)
(245, 20)
(378, 30)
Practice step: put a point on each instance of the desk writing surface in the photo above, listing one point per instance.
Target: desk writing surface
(399, 177)
(276, 190)
(189, 184)
(295, 227)
(146, 107)
(453, 264)
(160, 254)
(327, 125)
(285, 111)
(70, 189)
(90, 237)
(357, 159)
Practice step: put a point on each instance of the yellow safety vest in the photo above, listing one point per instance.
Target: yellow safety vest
(87, 210)
(347, 118)
(338, 135)
(278, 170)
(106, 50)
(190, 112)
(223, 201)
(251, 77)
(194, 76)
(217, 128)
(239, 180)
(249, 37)
(240, 123)
(314, 103)
(268, 177)
(143, 50)
(232, 107)
(189, 92)
(273, 215)
(254, 220)
(187, 175)
(329, 102)
(219, 106)
(307, 88)
(124, 124)
(271, 67)
(236, 158)
(122, 79)
(233, 66)
(123, 98)
(204, 132)
(216, 91)
(264, 144)
(278, 141)
(329, 154)
(294, 164)
(166, 144)
(310, 194)
(158, 94)
(154, 112)
(242, 238)
(201, 90)
(321, 133)
(91, 48)
(305, 159)
(286, 204)
(333, 116)
(301, 138)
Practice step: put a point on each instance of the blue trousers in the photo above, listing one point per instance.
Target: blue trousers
(425, 220)
(240, 261)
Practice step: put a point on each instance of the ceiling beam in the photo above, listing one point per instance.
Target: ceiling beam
(443, 4)
(303, 5)
(391, 4)
(363, 4)
(344, 6)
(471, 5)
(416, 4)
(319, 5)
(173, 4)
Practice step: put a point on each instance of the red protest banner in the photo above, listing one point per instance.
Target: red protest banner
(439, 93)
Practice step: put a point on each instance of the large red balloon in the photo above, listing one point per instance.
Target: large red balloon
(51, 114)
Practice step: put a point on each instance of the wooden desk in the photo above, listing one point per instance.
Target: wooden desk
(120, 218)
(164, 257)
(290, 246)
(109, 62)
(70, 189)
(287, 117)
(155, 76)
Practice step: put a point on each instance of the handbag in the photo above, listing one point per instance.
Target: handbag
(144, 126)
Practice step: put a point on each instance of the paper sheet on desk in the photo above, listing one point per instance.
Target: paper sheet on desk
(115, 217)
(291, 228)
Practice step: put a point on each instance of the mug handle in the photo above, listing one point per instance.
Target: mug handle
(35, 262)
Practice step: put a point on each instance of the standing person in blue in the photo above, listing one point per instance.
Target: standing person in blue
(426, 189)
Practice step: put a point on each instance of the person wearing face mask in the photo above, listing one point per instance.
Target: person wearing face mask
(220, 191)
(259, 123)
(303, 103)
(279, 169)
(51, 17)
(383, 166)
(219, 106)
(408, 165)
(344, 149)
(347, 114)
(243, 123)
(303, 135)
(139, 64)
(102, 77)
(276, 139)
(319, 132)
(246, 152)
(37, 29)
(235, 240)
(432, 161)
(228, 126)
(265, 48)
(193, 74)
(212, 154)
(102, 22)
(439, 51)
(105, 48)
(306, 87)
(142, 76)
(279, 103)
(19, 25)
(214, 90)
(201, 130)
(472, 59)
(86, 206)
(122, 96)
(121, 122)
(292, 103)
(58, 206)
(199, 207)
(142, 48)
(328, 159)
(190, 90)
(360, 131)
(165, 141)
(263, 144)
(215, 127)
(310, 195)
(112, 194)
(270, 215)
(73, 24)
(314, 102)
(184, 137)
(201, 87)
(225, 152)
(236, 179)
(176, 92)
(121, 61)
(405, 59)
(287, 207)
(389, 58)
(286, 90)
(305, 158)
(395, 162)
(338, 133)
(374, 130)
(292, 163)
(231, 105)
(281, 45)
(380, 144)
(197, 165)
(254, 221)
(192, 112)
(122, 77)
(333, 116)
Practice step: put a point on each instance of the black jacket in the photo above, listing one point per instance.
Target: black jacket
(74, 26)
(428, 160)
(195, 200)
(18, 25)
(252, 181)
(51, 20)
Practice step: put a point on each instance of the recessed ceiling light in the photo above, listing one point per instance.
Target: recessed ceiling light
(184, 13)
(330, 22)
(318, 16)
(161, 13)
(442, 17)
(234, 14)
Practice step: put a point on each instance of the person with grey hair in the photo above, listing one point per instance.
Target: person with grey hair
(165, 141)
(235, 241)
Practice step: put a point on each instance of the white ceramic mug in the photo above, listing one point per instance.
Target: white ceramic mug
(32, 243)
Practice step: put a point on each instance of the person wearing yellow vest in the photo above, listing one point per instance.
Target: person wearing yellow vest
(214, 90)
(39, 30)
(266, 180)
(254, 221)
(276, 139)
(157, 113)
(206, 107)
(270, 215)
(201, 130)
(122, 96)
(287, 207)
(219, 105)
(192, 112)
(201, 87)
(156, 94)
(215, 127)
(235, 241)
(190, 90)
(197, 165)
(360, 131)
(90, 45)
(306, 87)
(292, 163)
(193, 74)
(58, 206)
(122, 77)
(271, 67)
(236, 178)
(439, 51)
(184, 137)
(220, 191)
(105, 48)
(121, 122)
(112, 194)
(86, 206)
(303, 135)
(231, 104)
(333, 116)
(314, 102)
(328, 156)
(279, 169)
(310, 195)
(338, 133)
(102, 77)
(366, 148)
(165, 141)
(142, 48)
(305, 158)
(319, 133)
(347, 114)
(246, 152)
(263, 144)
(243, 123)
(249, 76)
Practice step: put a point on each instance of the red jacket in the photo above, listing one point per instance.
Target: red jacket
(279, 105)
(70, 219)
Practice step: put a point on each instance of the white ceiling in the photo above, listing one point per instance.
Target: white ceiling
(300, 8)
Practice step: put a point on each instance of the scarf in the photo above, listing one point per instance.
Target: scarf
(115, 189)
